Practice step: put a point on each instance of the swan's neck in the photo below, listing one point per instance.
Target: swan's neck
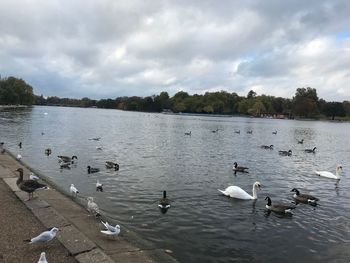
(255, 194)
(337, 173)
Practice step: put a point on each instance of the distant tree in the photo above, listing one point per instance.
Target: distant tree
(251, 94)
(332, 109)
(305, 102)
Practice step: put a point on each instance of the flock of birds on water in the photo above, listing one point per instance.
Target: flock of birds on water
(232, 191)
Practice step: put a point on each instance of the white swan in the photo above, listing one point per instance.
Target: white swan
(329, 174)
(237, 192)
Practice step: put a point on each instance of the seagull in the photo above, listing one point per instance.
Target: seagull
(32, 176)
(44, 237)
(73, 190)
(99, 186)
(42, 258)
(110, 228)
(19, 157)
(92, 207)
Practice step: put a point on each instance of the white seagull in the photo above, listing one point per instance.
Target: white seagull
(19, 157)
(44, 237)
(110, 228)
(42, 258)
(32, 176)
(73, 190)
(99, 186)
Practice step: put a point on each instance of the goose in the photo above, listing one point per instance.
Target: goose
(65, 165)
(267, 147)
(310, 150)
(73, 190)
(237, 168)
(74, 159)
(28, 186)
(285, 153)
(99, 186)
(92, 207)
(111, 228)
(100, 148)
(20, 145)
(188, 133)
(279, 208)
(92, 170)
(274, 132)
(250, 132)
(44, 237)
(42, 258)
(215, 131)
(95, 139)
(304, 198)
(164, 202)
(301, 141)
(65, 159)
(110, 165)
(237, 192)
(329, 174)
(237, 131)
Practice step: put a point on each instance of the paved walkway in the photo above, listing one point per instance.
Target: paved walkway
(79, 233)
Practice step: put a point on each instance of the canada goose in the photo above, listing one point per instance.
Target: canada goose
(65, 165)
(237, 192)
(310, 150)
(28, 186)
(237, 131)
(100, 148)
(274, 132)
(92, 170)
(99, 186)
(20, 145)
(267, 147)
(304, 198)
(164, 202)
(250, 132)
(301, 141)
(188, 133)
(237, 168)
(279, 208)
(92, 207)
(215, 131)
(65, 159)
(285, 153)
(73, 190)
(329, 174)
(110, 165)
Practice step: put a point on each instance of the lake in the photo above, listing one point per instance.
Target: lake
(202, 225)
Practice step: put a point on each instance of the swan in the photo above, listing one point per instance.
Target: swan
(279, 208)
(329, 174)
(237, 168)
(237, 192)
(304, 198)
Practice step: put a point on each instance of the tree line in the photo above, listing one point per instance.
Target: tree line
(304, 104)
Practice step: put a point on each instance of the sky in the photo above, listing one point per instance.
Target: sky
(108, 48)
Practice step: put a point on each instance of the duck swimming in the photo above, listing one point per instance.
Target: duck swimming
(92, 170)
(188, 133)
(301, 141)
(274, 132)
(237, 192)
(310, 150)
(279, 208)
(285, 153)
(110, 165)
(237, 168)
(304, 198)
(267, 147)
(331, 175)
(28, 186)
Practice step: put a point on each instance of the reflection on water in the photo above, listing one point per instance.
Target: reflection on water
(202, 225)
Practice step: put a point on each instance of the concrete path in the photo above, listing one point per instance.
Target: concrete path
(79, 233)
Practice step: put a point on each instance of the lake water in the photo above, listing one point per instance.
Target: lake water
(202, 225)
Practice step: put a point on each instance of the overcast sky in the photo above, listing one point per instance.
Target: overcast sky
(109, 48)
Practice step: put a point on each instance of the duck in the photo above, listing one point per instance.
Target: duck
(250, 132)
(331, 175)
(237, 131)
(237, 192)
(48, 151)
(267, 147)
(164, 202)
(279, 208)
(285, 153)
(99, 148)
(215, 131)
(20, 145)
(110, 165)
(274, 132)
(237, 168)
(95, 139)
(188, 133)
(92, 170)
(301, 141)
(73, 190)
(28, 186)
(304, 198)
(99, 186)
(311, 150)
